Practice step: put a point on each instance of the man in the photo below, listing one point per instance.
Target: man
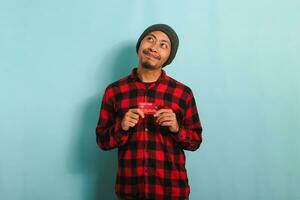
(151, 118)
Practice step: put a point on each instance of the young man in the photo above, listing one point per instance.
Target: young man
(151, 118)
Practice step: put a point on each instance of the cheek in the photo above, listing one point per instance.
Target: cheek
(144, 45)
(165, 55)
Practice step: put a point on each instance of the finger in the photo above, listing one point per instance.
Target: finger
(130, 124)
(166, 114)
(138, 111)
(162, 118)
(165, 119)
(169, 115)
(132, 120)
(167, 123)
(159, 112)
(132, 115)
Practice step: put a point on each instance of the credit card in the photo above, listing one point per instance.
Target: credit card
(148, 108)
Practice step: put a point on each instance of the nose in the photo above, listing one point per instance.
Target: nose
(153, 47)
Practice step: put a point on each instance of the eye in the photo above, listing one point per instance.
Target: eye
(149, 38)
(164, 45)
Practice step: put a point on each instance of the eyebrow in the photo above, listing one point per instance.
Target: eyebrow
(161, 40)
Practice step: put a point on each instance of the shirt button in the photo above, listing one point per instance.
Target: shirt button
(146, 129)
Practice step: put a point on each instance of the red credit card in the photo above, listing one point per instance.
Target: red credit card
(148, 108)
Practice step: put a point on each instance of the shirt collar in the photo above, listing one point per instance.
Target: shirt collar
(134, 76)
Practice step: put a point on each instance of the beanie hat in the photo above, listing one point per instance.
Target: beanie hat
(169, 32)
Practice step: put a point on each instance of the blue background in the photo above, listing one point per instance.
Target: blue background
(241, 59)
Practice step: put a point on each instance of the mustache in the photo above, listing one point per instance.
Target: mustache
(148, 52)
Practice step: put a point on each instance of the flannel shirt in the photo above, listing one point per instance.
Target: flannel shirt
(151, 159)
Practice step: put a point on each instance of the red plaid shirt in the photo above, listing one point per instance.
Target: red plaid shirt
(151, 160)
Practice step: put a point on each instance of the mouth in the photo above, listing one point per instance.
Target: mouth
(150, 55)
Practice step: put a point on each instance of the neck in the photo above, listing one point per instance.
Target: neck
(148, 75)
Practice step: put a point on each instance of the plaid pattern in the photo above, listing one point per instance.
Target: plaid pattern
(151, 159)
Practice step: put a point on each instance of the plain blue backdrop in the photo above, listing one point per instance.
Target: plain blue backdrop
(241, 59)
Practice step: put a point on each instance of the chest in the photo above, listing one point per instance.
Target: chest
(162, 96)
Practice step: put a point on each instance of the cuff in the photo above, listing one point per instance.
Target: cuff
(119, 134)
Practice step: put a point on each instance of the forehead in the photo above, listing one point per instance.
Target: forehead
(160, 36)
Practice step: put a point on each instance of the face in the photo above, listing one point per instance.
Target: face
(154, 50)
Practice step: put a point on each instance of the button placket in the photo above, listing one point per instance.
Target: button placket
(145, 140)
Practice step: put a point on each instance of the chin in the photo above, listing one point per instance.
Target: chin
(148, 65)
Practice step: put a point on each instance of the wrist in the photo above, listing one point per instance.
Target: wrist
(123, 126)
(175, 130)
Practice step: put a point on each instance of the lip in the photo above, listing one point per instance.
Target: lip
(149, 55)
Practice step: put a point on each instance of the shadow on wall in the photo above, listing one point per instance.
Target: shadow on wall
(98, 168)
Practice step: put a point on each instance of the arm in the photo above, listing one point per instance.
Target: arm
(109, 133)
(190, 130)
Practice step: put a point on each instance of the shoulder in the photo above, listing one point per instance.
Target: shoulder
(114, 88)
(179, 85)
(122, 81)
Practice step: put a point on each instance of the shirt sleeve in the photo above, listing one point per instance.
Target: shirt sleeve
(189, 135)
(109, 133)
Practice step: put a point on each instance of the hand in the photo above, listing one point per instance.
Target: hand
(166, 117)
(131, 118)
